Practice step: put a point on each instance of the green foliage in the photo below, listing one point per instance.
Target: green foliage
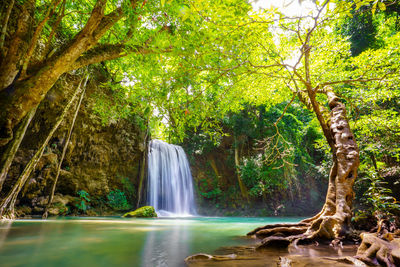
(63, 210)
(209, 189)
(223, 68)
(253, 176)
(127, 186)
(116, 199)
(378, 197)
(361, 30)
(261, 179)
(83, 201)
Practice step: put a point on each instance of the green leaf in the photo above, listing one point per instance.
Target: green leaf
(374, 8)
(382, 6)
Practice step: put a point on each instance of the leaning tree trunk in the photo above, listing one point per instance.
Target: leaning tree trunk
(18, 97)
(333, 221)
(9, 153)
(5, 23)
(53, 188)
(7, 204)
(242, 186)
(143, 166)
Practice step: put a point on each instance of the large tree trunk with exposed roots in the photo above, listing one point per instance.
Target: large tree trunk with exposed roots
(333, 221)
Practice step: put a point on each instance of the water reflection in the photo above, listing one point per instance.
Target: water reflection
(167, 248)
(4, 229)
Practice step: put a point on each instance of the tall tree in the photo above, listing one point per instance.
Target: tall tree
(269, 57)
(89, 34)
(302, 54)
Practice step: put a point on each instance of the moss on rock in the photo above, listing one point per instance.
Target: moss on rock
(146, 211)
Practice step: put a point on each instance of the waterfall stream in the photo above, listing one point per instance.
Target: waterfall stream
(170, 183)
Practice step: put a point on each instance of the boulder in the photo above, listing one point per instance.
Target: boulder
(146, 211)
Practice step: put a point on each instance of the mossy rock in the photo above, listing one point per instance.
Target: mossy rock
(146, 211)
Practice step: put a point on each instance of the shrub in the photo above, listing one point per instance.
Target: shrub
(378, 196)
(117, 200)
(83, 201)
(209, 189)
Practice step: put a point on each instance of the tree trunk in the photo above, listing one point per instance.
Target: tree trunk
(242, 187)
(143, 166)
(53, 189)
(12, 148)
(221, 178)
(54, 28)
(36, 35)
(17, 47)
(5, 23)
(8, 203)
(25, 94)
(333, 221)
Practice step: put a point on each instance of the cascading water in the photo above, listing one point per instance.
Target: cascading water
(170, 183)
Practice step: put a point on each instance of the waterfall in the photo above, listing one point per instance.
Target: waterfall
(170, 183)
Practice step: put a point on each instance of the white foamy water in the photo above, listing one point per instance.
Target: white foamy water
(170, 182)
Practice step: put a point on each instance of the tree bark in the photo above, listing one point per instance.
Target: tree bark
(54, 29)
(143, 166)
(36, 34)
(375, 250)
(333, 221)
(5, 23)
(53, 189)
(7, 205)
(17, 47)
(12, 148)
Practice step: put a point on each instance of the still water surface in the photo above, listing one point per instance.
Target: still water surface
(120, 242)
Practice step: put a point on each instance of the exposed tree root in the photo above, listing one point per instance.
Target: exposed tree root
(380, 251)
(203, 256)
(273, 226)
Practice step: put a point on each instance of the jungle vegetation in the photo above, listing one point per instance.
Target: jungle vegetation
(207, 69)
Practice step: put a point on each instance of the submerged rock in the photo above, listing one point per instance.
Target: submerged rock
(146, 211)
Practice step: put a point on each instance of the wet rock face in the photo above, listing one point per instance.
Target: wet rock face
(100, 157)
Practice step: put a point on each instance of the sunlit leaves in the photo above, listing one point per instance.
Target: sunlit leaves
(218, 55)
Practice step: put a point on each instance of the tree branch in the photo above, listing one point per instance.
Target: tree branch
(349, 81)
(36, 35)
(285, 109)
(107, 22)
(16, 47)
(102, 53)
(95, 17)
(5, 23)
(113, 51)
(54, 28)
